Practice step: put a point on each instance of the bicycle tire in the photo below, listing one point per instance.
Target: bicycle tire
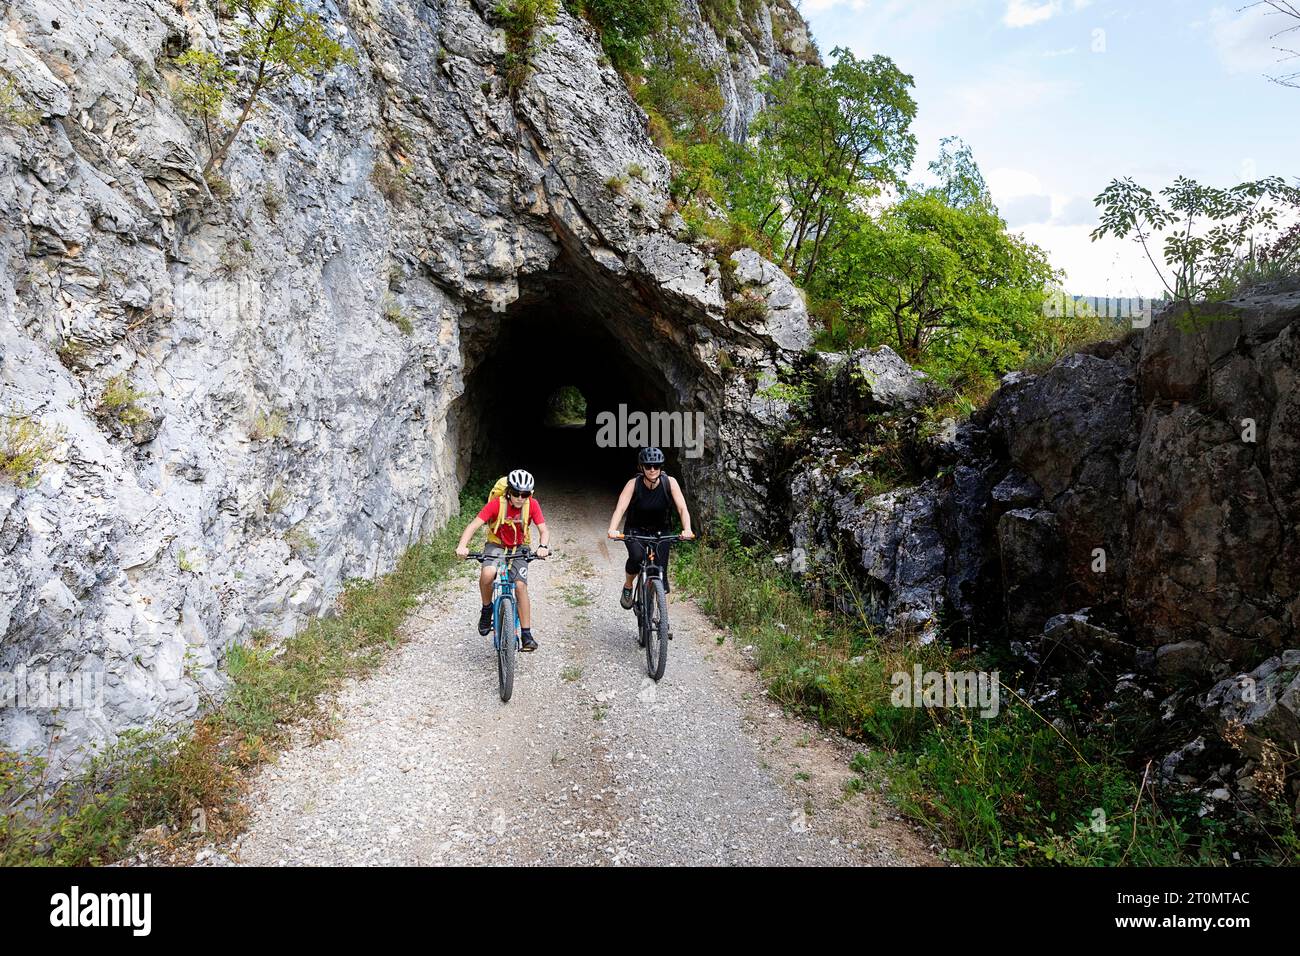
(656, 645)
(507, 639)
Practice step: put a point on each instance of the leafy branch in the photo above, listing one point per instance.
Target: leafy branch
(277, 40)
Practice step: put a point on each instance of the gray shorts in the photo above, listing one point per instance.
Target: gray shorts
(518, 566)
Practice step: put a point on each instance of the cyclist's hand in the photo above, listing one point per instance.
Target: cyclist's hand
(614, 533)
(462, 551)
(543, 550)
(687, 535)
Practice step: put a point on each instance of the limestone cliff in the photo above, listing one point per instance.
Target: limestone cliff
(301, 340)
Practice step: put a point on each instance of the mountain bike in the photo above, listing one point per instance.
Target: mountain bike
(505, 616)
(650, 602)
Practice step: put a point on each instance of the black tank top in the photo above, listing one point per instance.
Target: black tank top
(649, 508)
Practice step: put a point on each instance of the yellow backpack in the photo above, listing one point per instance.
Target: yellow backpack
(499, 491)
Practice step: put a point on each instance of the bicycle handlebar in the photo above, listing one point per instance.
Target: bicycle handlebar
(526, 553)
(650, 538)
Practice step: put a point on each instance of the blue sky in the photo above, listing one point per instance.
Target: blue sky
(1057, 97)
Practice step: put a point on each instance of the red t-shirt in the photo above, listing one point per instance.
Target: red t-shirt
(511, 532)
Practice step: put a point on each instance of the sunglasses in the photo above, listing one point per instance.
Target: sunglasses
(653, 467)
(521, 494)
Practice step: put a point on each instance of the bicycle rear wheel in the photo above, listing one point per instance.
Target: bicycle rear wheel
(656, 629)
(506, 641)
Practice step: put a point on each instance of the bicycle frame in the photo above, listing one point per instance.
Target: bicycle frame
(503, 587)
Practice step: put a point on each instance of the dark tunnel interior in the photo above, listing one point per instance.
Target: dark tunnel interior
(558, 336)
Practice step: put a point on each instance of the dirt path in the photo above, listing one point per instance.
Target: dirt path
(589, 763)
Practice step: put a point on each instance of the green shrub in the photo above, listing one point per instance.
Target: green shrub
(120, 400)
(627, 27)
(747, 309)
(394, 313)
(25, 449)
(523, 20)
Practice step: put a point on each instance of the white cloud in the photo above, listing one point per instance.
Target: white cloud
(1025, 13)
(1076, 211)
(1245, 39)
(1026, 210)
(1106, 267)
(1004, 93)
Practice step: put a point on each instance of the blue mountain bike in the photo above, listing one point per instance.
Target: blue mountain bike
(505, 616)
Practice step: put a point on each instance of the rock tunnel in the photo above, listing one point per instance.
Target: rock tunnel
(567, 331)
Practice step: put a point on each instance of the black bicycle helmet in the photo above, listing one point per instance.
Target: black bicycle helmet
(650, 456)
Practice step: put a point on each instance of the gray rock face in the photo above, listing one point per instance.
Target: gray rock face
(757, 45)
(289, 434)
(1156, 475)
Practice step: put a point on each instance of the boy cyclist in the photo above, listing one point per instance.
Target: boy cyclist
(506, 534)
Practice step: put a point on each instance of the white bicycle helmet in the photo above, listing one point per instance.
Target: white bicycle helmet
(519, 480)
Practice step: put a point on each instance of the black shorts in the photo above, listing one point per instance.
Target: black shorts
(636, 552)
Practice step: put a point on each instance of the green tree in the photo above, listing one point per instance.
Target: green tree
(1208, 231)
(828, 140)
(961, 183)
(947, 287)
(276, 41)
(628, 27)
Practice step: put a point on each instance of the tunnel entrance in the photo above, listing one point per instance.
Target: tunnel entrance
(540, 376)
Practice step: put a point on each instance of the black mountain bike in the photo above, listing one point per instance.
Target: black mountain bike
(650, 602)
(505, 616)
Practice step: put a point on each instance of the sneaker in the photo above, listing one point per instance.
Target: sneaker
(626, 599)
(485, 621)
(528, 644)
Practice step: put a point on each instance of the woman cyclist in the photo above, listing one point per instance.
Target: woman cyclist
(645, 499)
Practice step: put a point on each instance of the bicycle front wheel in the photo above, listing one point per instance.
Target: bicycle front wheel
(507, 638)
(656, 631)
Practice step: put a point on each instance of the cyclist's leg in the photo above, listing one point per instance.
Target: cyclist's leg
(635, 552)
(486, 579)
(661, 558)
(519, 575)
(635, 555)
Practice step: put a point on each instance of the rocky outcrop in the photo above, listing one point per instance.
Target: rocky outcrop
(761, 39)
(295, 337)
(1132, 510)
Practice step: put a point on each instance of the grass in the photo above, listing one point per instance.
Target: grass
(1017, 789)
(394, 313)
(571, 673)
(184, 783)
(267, 426)
(26, 448)
(747, 309)
(576, 595)
(523, 21)
(121, 401)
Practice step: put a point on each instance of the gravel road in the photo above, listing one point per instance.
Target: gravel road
(590, 763)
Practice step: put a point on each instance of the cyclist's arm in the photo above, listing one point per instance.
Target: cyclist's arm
(544, 536)
(624, 500)
(469, 531)
(682, 512)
